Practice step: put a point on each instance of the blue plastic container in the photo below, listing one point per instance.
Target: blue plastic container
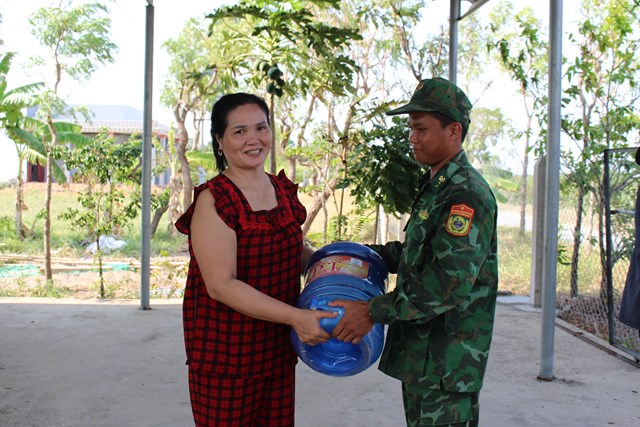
(346, 271)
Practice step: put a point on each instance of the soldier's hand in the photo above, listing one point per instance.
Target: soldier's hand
(355, 323)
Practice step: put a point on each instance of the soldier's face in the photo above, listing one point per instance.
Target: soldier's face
(432, 144)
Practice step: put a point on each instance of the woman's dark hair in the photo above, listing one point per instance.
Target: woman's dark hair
(219, 113)
(446, 121)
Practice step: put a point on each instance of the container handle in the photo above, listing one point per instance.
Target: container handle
(322, 304)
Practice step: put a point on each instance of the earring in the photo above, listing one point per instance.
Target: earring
(220, 152)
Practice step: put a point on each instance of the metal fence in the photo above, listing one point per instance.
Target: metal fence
(592, 279)
(594, 250)
(621, 184)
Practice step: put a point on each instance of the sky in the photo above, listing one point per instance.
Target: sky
(120, 83)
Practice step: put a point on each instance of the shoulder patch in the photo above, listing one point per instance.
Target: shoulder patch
(459, 221)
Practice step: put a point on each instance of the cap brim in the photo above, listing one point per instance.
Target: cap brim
(410, 108)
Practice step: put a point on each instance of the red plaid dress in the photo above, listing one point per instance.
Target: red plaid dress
(241, 369)
(219, 339)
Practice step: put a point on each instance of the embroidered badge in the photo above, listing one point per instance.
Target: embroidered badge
(459, 221)
(423, 214)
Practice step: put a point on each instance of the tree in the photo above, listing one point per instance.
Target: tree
(200, 68)
(523, 54)
(349, 116)
(489, 127)
(603, 91)
(77, 39)
(12, 103)
(382, 170)
(105, 167)
(287, 38)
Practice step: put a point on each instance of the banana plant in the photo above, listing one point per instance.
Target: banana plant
(12, 103)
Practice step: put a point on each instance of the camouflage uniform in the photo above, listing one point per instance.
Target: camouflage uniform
(441, 313)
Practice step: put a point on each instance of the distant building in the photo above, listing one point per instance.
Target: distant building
(121, 121)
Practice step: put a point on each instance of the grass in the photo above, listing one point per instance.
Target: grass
(66, 239)
(514, 249)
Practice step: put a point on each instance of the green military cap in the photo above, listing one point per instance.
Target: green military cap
(439, 95)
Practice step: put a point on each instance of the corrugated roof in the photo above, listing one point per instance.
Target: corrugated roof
(119, 119)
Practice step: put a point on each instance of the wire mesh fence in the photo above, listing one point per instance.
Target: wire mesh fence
(591, 269)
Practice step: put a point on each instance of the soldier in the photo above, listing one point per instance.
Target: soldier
(441, 312)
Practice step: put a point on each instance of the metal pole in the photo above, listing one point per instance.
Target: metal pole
(454, 17)
(147, 129)
(549, 264)
(608, 262)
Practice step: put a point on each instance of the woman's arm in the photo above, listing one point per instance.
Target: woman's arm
(307, 252)
(214, 246)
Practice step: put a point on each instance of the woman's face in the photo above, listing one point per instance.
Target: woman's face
(247, 139)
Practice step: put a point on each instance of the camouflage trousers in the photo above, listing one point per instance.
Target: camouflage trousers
(425, 407)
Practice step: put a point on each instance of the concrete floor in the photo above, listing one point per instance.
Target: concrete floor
(80, 363)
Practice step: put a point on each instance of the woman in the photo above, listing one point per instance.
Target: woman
(247, 256)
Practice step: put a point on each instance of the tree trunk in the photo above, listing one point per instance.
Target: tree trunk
(273, 163)
(21, 230)
(604, 288)
(523, 188)
(47, 219)
(99, 255)
(325, 222)
(181, 152)
(292, 168)
(577, 239)
(376, 223)
(157, 215)
(197, 125)
(317, 205)
(174, 203)
(384, 228)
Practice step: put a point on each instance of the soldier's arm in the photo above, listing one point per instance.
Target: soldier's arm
(390, 254)
(446, 266)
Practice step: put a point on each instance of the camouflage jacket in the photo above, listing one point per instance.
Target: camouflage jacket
(441, 312)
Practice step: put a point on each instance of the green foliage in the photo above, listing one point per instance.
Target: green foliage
(489, 127)
(293, 52)
(501, 182)
(77, 38)
(603, 92)
(348, 227)
(105, 167)
(382, 169)
(169, 279)
(6, 227)
(203, 159)
(37, 136)
(13, 101)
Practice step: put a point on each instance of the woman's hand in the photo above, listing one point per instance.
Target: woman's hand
(306, 323)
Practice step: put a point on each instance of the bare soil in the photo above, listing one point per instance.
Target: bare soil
(76, 278)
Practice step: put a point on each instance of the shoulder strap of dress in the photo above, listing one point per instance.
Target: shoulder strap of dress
(228, 202)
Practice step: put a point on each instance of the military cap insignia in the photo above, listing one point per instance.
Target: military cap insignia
(423, 214)
(459, 221)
